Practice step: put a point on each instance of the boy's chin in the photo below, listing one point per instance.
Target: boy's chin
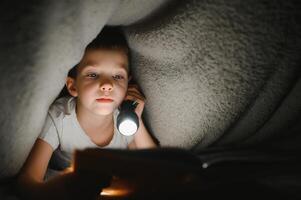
(104, 111)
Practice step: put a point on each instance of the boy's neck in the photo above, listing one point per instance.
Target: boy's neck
(89, 120)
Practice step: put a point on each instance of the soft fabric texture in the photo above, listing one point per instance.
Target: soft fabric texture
(215, 73)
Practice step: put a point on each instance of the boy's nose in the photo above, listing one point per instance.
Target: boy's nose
(106, 86)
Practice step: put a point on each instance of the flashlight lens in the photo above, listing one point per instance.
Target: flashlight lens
(128, 127)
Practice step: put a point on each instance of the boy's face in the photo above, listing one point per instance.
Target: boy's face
(101, 74)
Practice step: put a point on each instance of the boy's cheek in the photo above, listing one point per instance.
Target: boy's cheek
(125, 95)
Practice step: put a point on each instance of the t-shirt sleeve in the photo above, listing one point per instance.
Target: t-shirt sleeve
(49, 133)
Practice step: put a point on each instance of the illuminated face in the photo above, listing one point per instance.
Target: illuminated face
(101, 75)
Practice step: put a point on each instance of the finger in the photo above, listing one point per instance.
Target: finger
(134, 98)
(136, 94)
(133, 86)
(136, 89)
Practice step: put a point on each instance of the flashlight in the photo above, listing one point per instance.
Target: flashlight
(127, 119)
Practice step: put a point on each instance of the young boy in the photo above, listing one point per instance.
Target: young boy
(87, 118)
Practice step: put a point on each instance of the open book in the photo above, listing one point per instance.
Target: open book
(173, 173)
(132, 162)
(141, 172)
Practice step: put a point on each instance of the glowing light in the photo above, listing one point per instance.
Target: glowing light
(128, 127)
(69, 169)
(114, 192)
(205, 165)
(118, 188)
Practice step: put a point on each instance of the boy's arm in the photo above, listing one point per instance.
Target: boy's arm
(37, 161)
(30, 184)
(142, 138)
(30, 178)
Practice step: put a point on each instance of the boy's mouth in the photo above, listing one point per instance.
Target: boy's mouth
(104, 100)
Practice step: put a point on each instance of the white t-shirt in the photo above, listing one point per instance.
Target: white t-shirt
(64, 133)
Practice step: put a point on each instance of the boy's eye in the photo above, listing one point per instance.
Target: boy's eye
(92, 75)
(118, 77)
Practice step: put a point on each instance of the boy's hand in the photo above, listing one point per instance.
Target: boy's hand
(134, 94)
(76, 186)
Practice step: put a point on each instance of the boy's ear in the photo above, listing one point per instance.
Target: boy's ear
(70, 84)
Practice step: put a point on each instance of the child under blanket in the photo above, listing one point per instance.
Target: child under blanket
(97, 85)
